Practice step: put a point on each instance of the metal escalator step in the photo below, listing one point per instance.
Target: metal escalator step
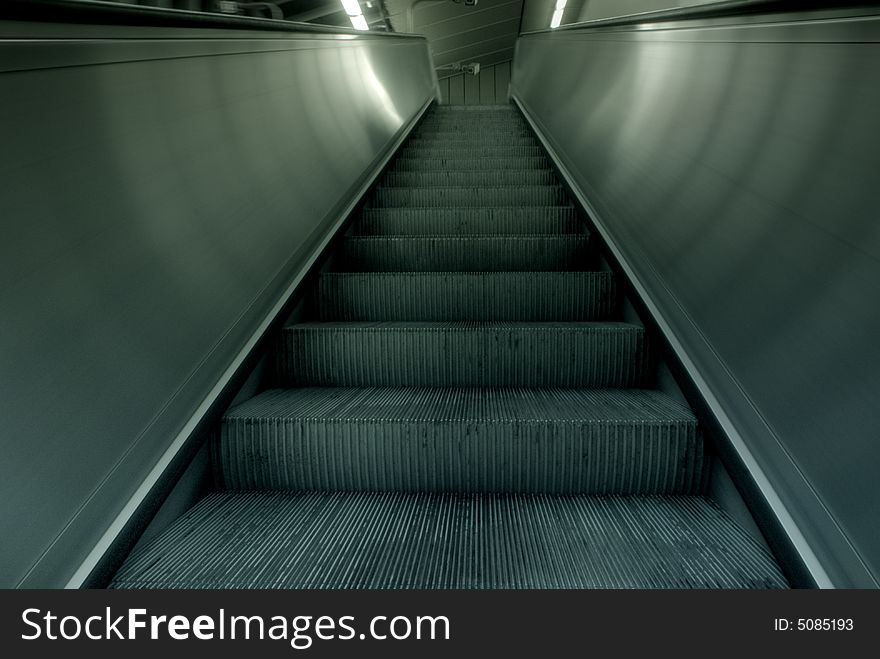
(485, 139)
(472, 130)
(477, 296)
(469, 221)
(489, 151)
(398, 540)
(460, 132)
(524, 195)
(465, 253)
(563, 441)
(468, 164)
(504, 108)
(454, 178)
(459, 354)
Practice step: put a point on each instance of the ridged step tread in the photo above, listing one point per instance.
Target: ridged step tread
(474, 253)
(470, 142)
(489, 151)
(469, 221)
(468, 131)
(462, 354)
(502, 108)
(608, 441)
(525, 195)
(453, 178)
(393, 540)
(461, 132)
(468, 164)
(477, 296)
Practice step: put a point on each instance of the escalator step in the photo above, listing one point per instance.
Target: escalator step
(517, 177)
(477, 296)
(493, 138)
(469, 221)
(422, 354)
(475, 131)
(468, 110)
(394, 540)
(564, 441)
(525, 195)
(464, 253)
(468, 164)
(490, 151)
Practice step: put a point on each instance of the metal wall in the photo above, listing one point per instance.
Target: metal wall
(161, 189)
(488, 87)
(734, 172)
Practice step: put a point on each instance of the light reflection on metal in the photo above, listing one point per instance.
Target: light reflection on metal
(557, 14)
(726, 169)
(355, 15)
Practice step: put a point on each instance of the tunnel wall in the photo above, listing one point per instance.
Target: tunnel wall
(161, 190)
(732, 168)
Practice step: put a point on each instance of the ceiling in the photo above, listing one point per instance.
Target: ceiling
(460, 33)
(484, 31)
(457, 32)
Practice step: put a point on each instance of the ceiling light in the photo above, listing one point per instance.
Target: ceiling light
(352, 8)
(556, 20)
(359, 22)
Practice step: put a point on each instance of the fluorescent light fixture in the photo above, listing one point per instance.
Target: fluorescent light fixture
(352, 8)
(560, 4)
(359, 22)
(556, 20)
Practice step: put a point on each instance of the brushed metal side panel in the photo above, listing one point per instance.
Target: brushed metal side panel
(154, 208)
(736, 173)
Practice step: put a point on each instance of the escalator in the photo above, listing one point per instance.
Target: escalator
(462, 405)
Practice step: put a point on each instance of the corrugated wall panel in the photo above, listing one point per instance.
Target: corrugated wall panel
(456, 90)
(471, 90)
(489, 87)
(444, 90)
(502, 81)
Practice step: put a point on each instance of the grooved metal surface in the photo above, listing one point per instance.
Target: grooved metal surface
(463, 415)
(475, 111)
(460, 132)
(394, 540)
(475, 296)
(461, 440)
(467, 253)
(422, 354)
(462, 164)
(488, 151)
(523, 195)
(469, 221)
(471, 142)
(456, 178)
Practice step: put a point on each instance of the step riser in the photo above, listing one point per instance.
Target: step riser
(474, 164)
(470, 110)
(457, 221)
(435, 153)
(453, 132)
(476, 254)
(461, 196)
(452, 179)
(463, 142)
(483, 357)
(459, 456)
(460, 297)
